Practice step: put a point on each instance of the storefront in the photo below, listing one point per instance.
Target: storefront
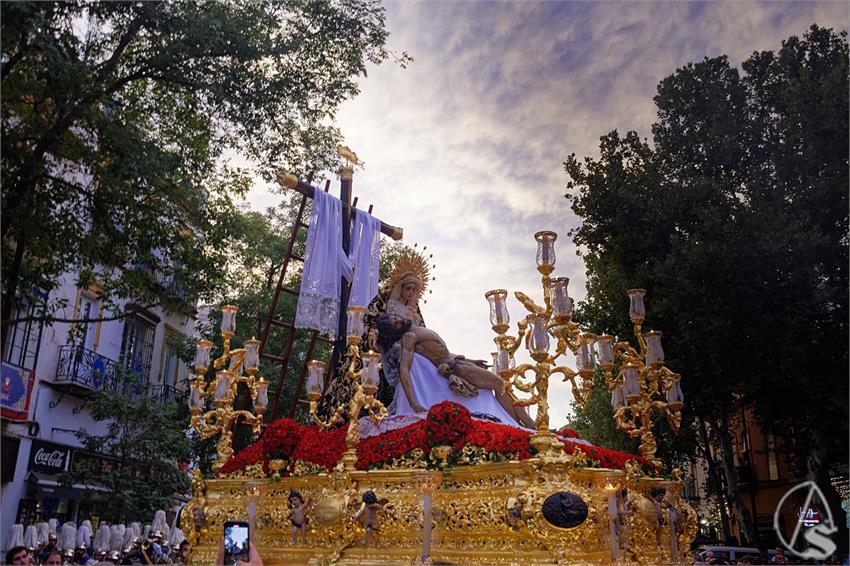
(48, 493)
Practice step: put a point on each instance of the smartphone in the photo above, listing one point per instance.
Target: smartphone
(237, 541)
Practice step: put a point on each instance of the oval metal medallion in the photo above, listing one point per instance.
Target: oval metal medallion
(564, 509)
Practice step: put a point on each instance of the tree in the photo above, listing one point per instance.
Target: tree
(116, 117)
(735, 221)
(144, 447)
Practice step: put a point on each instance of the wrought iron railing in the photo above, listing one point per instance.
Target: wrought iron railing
(164, 393)
(93, 371)
(85, 368)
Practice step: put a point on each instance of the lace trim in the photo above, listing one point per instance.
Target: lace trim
(318, 313)
(368, 428)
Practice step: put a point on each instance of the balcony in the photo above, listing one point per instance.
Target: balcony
(164, 393)
(81, 371)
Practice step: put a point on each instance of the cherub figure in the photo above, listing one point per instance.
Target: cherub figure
(368, 513)
(514, 515)
(298, 510)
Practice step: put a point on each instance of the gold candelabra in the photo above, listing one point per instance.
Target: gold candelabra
(219, 419)
(635, 389)
(643, 383)
(365, 382)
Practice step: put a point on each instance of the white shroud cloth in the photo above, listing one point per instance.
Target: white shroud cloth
(430, 388)
(366, 257)
(324, 264)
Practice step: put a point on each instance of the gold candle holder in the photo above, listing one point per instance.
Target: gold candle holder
(642, 385)
(219, 419)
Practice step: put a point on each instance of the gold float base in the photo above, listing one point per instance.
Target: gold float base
(482, 514)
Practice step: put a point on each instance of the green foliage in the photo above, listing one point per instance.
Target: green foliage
(736, 222)
(116, 116)
(145, 444)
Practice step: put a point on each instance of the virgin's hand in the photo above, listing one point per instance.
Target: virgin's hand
(417, 408)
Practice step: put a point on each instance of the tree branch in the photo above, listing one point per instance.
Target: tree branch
(49, 318)
(16, 56)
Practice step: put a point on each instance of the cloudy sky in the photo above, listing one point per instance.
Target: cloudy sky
(464, 148)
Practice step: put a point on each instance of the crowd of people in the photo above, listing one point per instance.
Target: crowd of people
(49, 543)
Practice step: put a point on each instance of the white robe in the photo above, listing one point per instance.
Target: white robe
(430, 388)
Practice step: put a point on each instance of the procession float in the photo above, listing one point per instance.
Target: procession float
(447, 468)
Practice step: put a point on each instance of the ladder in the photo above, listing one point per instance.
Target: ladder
(339, 346)
(271, 320)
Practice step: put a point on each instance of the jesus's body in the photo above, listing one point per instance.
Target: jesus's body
(427, 343)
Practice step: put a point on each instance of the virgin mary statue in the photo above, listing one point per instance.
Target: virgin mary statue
(399, 296)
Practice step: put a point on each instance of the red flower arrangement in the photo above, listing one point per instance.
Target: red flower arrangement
(252, 454)
(606, 458)
(280, 439)
(391, 445)
(567, 432)
(500, 438)
(323, 448)
(447, 423)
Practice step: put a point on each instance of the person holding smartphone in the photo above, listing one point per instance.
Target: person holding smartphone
(236, 548)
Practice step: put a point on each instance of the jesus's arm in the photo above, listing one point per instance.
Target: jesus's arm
(408, 343)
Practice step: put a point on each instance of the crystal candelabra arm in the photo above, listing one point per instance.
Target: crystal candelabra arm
(225, 354)
(625, 352)
(375, 405)
(639, 335)
(569, 376)
(533, 400)
(203, 423)
(255, 421)
(324, 425)
(519, 374)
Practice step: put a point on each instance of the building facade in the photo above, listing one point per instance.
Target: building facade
(48, 371)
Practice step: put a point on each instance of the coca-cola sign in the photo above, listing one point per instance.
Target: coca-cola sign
(49, 457)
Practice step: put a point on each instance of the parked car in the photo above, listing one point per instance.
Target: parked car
(730, 554)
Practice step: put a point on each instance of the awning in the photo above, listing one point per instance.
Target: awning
(49, 485)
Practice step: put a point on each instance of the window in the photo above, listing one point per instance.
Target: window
(137, 345)
(170, 359)
(772, 468)
(24, 338)
(86, 332)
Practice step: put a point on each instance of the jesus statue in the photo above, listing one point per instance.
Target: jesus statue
(429, 373)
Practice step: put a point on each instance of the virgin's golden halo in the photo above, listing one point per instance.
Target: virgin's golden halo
(412, 261)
